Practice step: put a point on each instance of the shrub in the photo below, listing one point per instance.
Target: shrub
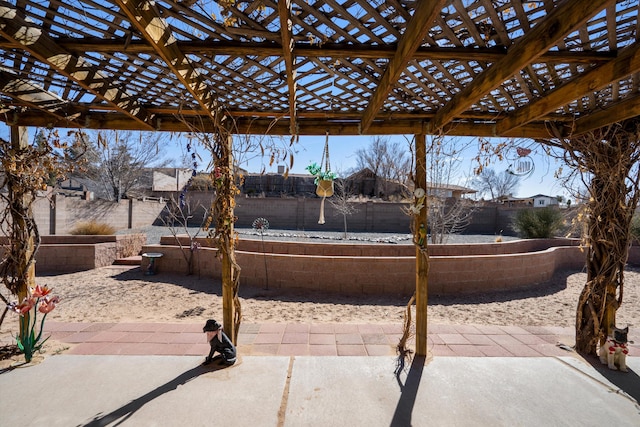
(538, 223)
(93, 228)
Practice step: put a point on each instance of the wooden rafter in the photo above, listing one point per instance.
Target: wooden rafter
(627, 63)
(619, 112)
(563, 19)
(422, 19)
(284, 10)
(33, 96)
(144, 15)
(15, 28)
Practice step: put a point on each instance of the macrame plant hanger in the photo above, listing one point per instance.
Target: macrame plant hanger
(324, 187)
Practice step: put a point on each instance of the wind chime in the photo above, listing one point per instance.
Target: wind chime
(324, 180)
(522, 165)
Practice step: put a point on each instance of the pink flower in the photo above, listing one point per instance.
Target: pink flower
(40, 291)
(24, 307)
(48, 304)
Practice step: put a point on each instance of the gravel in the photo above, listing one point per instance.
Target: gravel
(155, 232)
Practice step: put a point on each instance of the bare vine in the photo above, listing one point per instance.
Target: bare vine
(27, 170)
(607, 162)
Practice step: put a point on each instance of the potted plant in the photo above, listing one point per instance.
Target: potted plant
(323, 181)
(324, 184)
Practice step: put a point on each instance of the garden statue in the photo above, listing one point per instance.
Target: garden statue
(220, 342)
(614, 351)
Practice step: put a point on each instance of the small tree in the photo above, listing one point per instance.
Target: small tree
(445, 215)
(176, 217)
(341, 202)
(388, 161)
(494, 184)
(117, 162)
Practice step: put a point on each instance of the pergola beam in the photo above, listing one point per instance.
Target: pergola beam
(627, 63)
(144, 15)
(30, 37)
(331, 50)
(627, 109)
(562, 20)
(417, 28)
(284, 11)
(267, 126)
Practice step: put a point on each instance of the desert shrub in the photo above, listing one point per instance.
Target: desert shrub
(538, 223)
(92, 228)
(201, 182)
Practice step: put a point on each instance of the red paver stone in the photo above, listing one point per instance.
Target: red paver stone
(522, 350)
(323, 350)
(293, 350)
(297, 328)
(351, 350)
(494, 351)
(295, 338)
(268, 339)
(379, 350)
(453, 339)
(466, 350)
(349, 339)
(322, 339)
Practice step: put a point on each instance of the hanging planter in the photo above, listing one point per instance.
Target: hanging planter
(324, 179)
(324, 188)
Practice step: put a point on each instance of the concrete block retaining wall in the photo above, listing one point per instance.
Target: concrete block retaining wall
(63, 254)
(368, 274)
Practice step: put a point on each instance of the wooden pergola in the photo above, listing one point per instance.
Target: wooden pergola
(492, 68)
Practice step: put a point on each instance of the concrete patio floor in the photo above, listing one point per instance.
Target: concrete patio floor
(317, 375)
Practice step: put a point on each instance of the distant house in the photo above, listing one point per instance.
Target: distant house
(537, 201)
(542, 201)
(448, 191)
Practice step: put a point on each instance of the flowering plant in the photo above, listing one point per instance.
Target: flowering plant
(316, 171)
(38, 300)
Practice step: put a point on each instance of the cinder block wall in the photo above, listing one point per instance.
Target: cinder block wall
(355, 274)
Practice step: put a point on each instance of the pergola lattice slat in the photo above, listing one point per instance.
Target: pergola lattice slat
(346, 62)
(155, 30)
(542, 37)
(628, 62)
(14, 27)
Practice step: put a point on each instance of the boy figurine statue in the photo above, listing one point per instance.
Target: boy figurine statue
(220, 342)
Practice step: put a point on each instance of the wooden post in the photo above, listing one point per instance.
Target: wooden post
(228, 251)
(422, 261)
(20, 141)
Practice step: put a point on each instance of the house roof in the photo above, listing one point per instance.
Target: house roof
(459, 67)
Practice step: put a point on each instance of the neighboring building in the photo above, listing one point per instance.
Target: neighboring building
(448, 191)
(537, 201)
(542, 201)
(170, 179)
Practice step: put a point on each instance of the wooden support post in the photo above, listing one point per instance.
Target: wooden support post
(229, 272)
(26, 269)
(422, 261)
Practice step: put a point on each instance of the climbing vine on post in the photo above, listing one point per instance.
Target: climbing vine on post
(27, 170)
(607, 162)
(222, 217)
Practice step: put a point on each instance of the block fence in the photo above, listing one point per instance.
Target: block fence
(385, 269)
(65, 254)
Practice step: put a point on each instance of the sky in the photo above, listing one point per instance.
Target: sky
(343, 159)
